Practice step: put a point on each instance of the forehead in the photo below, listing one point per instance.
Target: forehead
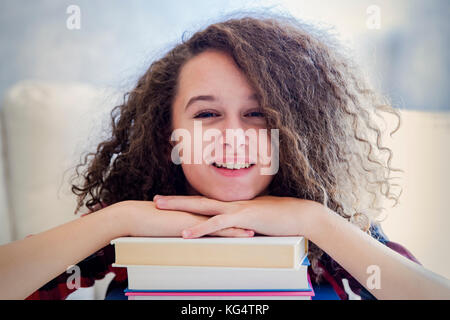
(213, 72)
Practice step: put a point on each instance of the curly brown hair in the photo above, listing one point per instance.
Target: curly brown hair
(330, 142)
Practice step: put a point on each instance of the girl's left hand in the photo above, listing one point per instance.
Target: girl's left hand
(268, 215)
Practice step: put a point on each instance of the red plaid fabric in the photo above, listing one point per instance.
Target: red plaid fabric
(94, 267)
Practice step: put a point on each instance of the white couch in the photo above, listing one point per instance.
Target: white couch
(47, 126)
(45, 129)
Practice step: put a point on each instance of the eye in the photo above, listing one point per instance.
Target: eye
(206, 114)
(255, 114)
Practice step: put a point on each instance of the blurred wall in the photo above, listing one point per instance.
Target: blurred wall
(407, 56)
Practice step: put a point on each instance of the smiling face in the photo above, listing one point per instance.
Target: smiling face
(213, 94)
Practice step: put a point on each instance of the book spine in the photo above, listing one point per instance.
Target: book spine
(248, 256)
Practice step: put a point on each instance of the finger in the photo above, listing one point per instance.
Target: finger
(211, 225)
(234, 232)
(193, 204)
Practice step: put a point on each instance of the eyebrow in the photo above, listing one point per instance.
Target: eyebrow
(211, 98)
(199, 98)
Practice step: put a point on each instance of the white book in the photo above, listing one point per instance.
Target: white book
(174, 278)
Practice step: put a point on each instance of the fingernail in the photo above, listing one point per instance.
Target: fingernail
(160, 202)
(186, 234)
(157, 196)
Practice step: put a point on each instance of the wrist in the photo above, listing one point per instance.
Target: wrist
(118, 219)
(313, 220)
(141, 218)
(324, 224)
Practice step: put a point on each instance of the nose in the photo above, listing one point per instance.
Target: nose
(233, 136)
(234, 141)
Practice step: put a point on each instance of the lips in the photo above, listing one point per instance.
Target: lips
(233, 166)
(236, 170)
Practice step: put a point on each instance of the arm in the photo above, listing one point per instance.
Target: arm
(353, 249)
(28, 264)
(400, 278)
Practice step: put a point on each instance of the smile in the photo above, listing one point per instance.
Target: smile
(232, 169)
(233, 166)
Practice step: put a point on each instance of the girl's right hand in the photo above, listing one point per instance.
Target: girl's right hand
(142, 219)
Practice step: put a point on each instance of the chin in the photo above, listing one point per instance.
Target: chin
(221, 189)
(231, 195)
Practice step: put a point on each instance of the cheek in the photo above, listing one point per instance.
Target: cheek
(191, 172)
(268, 149)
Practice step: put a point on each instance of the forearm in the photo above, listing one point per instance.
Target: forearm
(355, 251)
(28, 264)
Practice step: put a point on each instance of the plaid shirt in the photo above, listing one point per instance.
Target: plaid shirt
(99, 264)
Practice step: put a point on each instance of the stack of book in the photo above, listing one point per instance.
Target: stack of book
(214, 268)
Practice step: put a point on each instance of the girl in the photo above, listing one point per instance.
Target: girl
(243, 73)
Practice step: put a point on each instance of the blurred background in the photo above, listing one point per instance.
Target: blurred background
(65, 64)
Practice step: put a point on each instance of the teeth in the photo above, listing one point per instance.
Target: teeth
(230, 165)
